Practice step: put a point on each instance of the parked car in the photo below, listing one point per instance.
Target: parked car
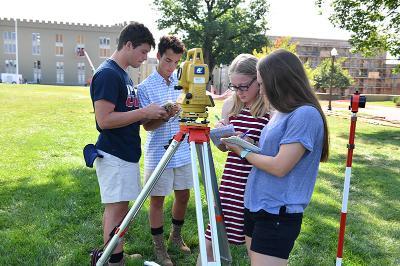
(11, 78)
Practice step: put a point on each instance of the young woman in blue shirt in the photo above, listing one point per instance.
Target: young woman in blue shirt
(293, 143)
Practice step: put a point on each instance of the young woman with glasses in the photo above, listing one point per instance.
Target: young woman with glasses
(293, 144)
(248, 113)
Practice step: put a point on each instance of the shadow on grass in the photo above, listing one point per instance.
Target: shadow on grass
(53, 220)
(58, 220)
(373, 205)
(379, 137)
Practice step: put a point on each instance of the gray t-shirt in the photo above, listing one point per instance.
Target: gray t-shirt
(268, 192)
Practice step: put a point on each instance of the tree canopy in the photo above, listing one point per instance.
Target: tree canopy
(375, 24)
(287, 44)
(279, 43)
(223, 28)
(324, 75)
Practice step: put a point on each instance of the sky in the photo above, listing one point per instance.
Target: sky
(297, 18)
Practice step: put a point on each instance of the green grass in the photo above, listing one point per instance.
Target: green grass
(50, 210)
(383, 103)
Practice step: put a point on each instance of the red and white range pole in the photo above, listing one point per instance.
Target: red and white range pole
(354, 105)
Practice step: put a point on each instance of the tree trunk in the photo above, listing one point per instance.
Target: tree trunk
(209, 60)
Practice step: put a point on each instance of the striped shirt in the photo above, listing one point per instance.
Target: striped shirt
(234, 178)
(154, 89)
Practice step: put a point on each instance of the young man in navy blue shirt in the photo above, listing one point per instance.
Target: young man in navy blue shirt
(118, 119)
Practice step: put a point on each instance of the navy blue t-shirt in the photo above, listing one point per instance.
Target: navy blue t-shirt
(112, 83)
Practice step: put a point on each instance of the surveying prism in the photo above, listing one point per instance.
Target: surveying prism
(357, 101)
(193, 77)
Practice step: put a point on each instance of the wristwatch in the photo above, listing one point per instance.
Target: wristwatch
(244, 153)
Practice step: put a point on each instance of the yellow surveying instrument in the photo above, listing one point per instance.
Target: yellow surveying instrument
(193, 75)
(193, 78)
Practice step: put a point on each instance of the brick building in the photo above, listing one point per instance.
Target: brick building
(372, 75)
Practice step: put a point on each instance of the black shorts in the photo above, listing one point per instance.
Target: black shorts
(272, 234)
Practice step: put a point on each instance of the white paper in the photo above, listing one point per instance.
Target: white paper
(242, 143)
(217, 133)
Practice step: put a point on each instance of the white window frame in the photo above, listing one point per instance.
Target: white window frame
(104, 45)
(60, 72)
(37, 72)
(80, 44)
(35, 43)
(10, 66)
(9, 42)
(59, 45)
(81, 73)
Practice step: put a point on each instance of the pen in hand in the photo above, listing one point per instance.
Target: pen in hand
(244, 134)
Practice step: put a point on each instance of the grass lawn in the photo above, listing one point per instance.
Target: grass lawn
(345, 104)
(383, 103)
(50, 210)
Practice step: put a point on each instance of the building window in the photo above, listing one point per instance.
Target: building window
(104, 47)
(9, 41)
(80, 39)
(60, 72)
(37, 72)
(35, 43)
(81, 73)
(80, 45)
(11, 66)
(59, 45)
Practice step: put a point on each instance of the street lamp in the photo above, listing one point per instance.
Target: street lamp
(334, 53)
(220, 78)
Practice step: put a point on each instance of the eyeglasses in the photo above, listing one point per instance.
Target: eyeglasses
(241, 87)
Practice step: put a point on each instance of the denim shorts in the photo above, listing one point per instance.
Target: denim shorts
(272, 234)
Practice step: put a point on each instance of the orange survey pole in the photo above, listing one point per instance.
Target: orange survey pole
(356, 101)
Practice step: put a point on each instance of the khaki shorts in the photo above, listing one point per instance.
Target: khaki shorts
(119, 180)
(179, 178)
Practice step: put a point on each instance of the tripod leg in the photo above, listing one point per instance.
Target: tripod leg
(226, 257)
(200, 158)
(211, 204)
(148, 187)
(197, 197)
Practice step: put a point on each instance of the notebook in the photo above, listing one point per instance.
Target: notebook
(217, 133)
(242, 143)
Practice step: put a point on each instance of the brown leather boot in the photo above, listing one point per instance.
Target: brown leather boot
(161, 251)
(175, 238)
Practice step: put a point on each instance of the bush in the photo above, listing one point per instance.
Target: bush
(396, 100)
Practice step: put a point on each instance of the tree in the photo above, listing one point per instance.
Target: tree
(285, 43)
(279, 43)
(375, 24)
(223, 28)
(323, 76)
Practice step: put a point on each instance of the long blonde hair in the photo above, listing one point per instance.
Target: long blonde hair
(246, 64)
